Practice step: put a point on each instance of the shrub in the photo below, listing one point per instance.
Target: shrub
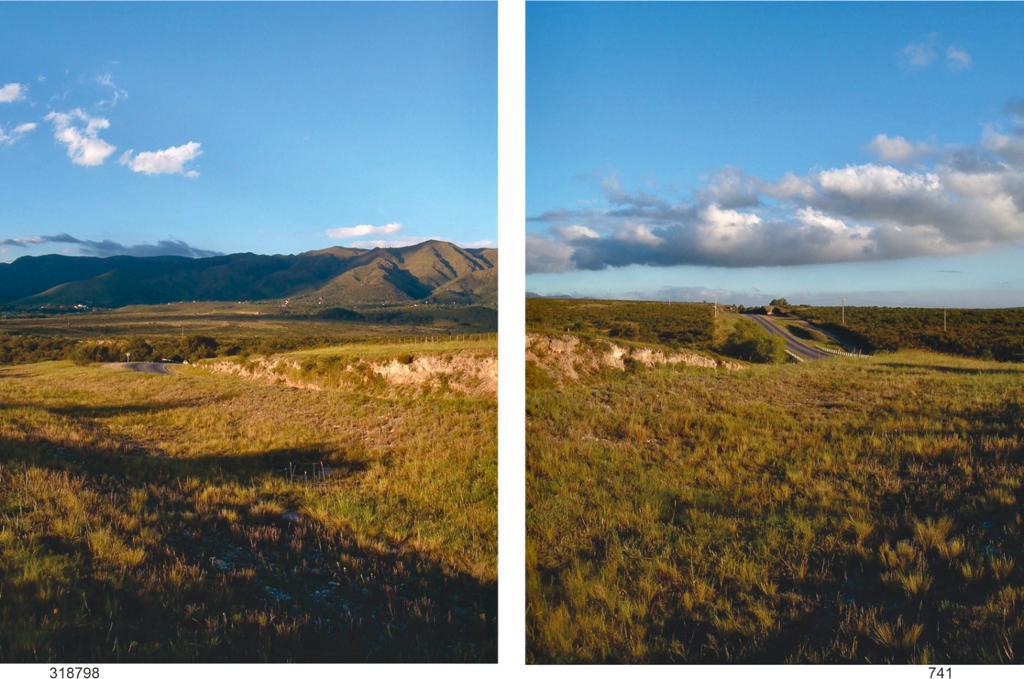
(749, 343)
(197, 347)
(982, 333)
(625, 330)
(95, 352)
(139, 349)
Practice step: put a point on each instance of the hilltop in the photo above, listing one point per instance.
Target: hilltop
(432, 271)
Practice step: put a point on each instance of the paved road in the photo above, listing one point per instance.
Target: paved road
(142, 367)
(795, 347)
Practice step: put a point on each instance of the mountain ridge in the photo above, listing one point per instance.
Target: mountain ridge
(336, 276)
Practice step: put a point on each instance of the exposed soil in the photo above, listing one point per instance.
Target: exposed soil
(568, 356)
(464, 372)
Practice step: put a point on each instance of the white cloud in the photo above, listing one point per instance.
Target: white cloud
(171, 160)
(1009, 147)
(547, 255)
(790, 186)
(731, 188)
(720, 229)
(961, 199)
(16, 133)
(957, 59)
(360, 230)
(918, 55)
(815, 218)
(400, 242)
(483, 243)
(24, 241)
(83, 142)
(637, 233)
(116, 93)
(573, 232)
(12, 92)
(865, 181)
(897, 149)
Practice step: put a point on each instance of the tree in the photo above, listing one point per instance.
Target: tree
(139, 348)
(196, 347)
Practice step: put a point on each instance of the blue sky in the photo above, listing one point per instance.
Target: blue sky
(259, 127)
(745, 151)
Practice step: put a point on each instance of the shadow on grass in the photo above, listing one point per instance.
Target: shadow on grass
(222, 580)
(80, 412)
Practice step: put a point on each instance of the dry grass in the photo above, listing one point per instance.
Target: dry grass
(200, 516)
(837, 511)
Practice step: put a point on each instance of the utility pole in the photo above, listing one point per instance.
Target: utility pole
(943, 320)
(844, 311)
(716, 306)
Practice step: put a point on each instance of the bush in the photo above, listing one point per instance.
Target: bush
(96, 352)
(748, 342)
(803, 333)
(197, 347)
(625, 330)
(982, 333)
(139, 349)
(32, 349)
(670, 323)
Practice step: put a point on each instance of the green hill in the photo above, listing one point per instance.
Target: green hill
(332, 277)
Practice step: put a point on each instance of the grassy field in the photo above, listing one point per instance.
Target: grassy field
(668, 323)
(206, 516)
(979, 333)
(662, 326)
(843, 510)
(174, 331)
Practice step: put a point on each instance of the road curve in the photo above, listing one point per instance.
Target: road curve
(143, 367)
(795, 347)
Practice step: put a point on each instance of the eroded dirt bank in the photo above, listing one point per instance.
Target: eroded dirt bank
(569, 356)
(464, 372)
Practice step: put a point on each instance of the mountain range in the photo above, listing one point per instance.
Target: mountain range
(431, 271)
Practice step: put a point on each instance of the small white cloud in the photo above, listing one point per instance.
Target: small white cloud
(918, 55)
(116, 93)
(897, 149)
(23, 242)
(84, 145)
(401, 242)
(360, 230)
(957, 59)
(171, 160)
(13, 135)
(12, 92)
